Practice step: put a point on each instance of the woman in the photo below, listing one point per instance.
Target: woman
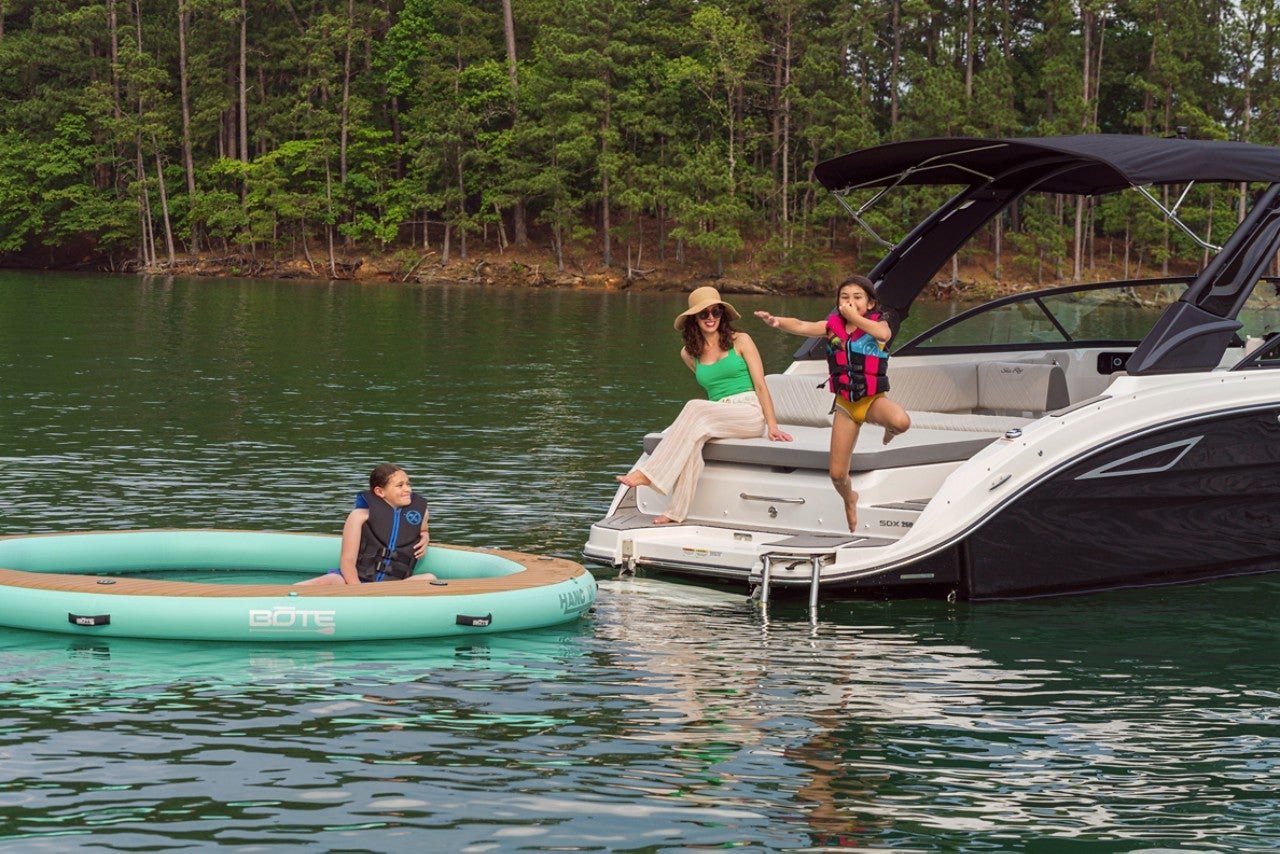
(727, 365)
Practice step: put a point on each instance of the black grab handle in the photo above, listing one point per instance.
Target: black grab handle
(479, 622)
(88, 620)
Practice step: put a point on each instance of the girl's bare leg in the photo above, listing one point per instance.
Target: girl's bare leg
(844, 433)
(889, 415)
(326, 579)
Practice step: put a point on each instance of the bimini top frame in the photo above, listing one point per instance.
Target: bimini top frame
(995, 173)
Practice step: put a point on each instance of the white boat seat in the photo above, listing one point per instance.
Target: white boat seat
(965, 421)
(977, 396)
(810, 448)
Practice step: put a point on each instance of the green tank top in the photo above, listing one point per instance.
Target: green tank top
(725, 377)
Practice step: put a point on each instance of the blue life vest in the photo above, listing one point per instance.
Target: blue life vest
(388, 537)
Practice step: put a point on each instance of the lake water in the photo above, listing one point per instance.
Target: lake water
(672, 718)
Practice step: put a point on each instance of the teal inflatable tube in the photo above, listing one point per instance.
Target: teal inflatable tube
(238, 586)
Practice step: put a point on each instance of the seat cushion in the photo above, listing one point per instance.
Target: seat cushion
(811, 448)
(1021, 387)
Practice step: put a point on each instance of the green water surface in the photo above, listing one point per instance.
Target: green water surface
(671, 719)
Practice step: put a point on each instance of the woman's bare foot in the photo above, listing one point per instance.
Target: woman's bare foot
(889, 435)
(851, 512)
(663, 520)
(633, 478)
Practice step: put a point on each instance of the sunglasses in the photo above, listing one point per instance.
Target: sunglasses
(708, 313)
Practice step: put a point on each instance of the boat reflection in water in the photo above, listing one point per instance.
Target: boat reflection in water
(900, 722)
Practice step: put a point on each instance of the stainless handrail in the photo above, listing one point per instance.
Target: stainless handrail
(746, 497)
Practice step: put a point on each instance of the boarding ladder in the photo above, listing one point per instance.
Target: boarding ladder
(816, 556)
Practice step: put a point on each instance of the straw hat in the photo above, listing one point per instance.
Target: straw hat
(705, 297)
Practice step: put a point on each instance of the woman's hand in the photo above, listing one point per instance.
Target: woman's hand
(776, 434)
(420, 547)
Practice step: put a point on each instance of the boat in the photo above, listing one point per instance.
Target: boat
(1071, 439)
(238, 586)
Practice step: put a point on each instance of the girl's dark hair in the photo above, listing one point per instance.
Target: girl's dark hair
(693, 339)
(862, 282)
(381, 474)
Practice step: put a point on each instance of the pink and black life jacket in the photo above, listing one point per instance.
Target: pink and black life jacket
(857, 361)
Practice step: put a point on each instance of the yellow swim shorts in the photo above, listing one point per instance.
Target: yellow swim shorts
(857, 409)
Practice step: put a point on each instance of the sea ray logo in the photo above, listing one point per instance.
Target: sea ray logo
(287, 619)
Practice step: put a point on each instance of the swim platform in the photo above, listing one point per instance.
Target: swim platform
(120, 584)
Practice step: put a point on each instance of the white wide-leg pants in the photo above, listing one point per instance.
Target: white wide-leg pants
(676, 464)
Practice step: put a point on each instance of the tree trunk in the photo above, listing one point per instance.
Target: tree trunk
(343, 131)
(968, 53)
(509, 32)
(328, 226)
(606, 222)
(1097, 66)
(775, 134)
(462, 211)
(732, 109)
(518, 217)
(502, 230)
(999, 234)
(306, 250)
(242, 118)
(113, 29)
(1077, 240)
(144, 207)
(786, 135)
(896, 27)
(243, 101)
(164, 204)
(188, 163)
(1126, 248)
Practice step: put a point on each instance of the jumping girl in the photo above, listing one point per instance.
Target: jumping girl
(858, 333)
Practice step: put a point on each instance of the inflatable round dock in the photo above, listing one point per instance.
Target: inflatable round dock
(238, 586)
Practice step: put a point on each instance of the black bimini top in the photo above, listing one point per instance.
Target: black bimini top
(1084, 165)
(995, 173)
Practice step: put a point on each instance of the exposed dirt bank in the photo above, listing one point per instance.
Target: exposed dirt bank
(972, 279)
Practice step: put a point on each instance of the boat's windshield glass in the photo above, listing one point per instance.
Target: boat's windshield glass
(1113, 314)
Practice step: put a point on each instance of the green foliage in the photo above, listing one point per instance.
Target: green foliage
(677, 123)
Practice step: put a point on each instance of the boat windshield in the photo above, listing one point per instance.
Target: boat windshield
(1111, 314)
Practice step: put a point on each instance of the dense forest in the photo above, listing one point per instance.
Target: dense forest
(613, 134)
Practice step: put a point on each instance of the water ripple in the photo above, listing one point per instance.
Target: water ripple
(673, 718)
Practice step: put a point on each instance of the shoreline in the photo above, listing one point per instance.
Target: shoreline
(527, 268)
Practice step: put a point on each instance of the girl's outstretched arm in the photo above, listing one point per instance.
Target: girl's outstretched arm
(793, 325)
